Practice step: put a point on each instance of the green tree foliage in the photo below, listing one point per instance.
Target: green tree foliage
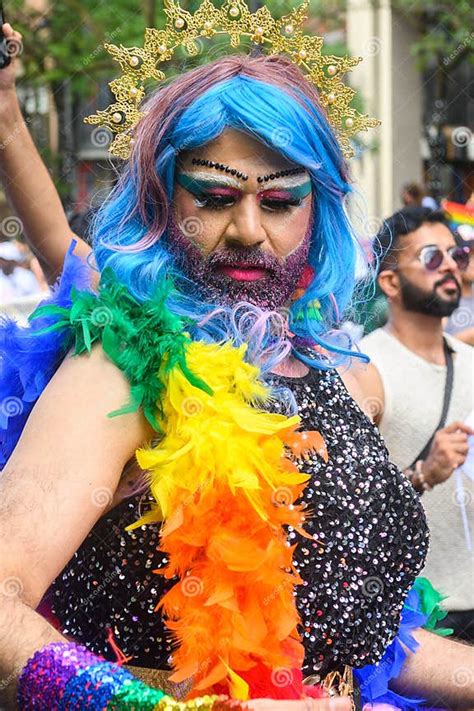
(445, 30)
(65, 42)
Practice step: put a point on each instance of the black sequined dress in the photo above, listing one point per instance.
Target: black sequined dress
(364, 511)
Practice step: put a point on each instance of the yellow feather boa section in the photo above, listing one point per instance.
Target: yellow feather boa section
(225, 481)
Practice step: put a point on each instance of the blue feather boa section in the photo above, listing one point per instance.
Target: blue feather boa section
(374, 679)
(30, 356)
(28, 359)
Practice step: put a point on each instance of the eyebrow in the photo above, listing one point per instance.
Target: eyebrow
(187, 177)
(239, 174)
(436, 246)
(220, 166)
(280, 174)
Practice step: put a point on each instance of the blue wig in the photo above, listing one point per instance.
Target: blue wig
(298, 130)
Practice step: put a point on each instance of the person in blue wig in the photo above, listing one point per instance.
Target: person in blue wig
(236, 188)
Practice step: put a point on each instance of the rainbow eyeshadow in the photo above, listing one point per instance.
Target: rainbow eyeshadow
(227, 187)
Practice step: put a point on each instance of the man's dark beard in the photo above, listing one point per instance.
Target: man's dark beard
(270, 292)
(428, 303)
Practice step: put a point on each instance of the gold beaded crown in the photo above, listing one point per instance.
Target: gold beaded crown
(234, 19)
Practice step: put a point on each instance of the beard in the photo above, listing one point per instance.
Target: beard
(429, 303)
(270, 292)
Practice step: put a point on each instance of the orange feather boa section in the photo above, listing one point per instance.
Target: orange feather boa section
(225, 480)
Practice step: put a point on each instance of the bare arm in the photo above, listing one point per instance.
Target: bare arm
(441, 671)
(28, 184)
(57, 484)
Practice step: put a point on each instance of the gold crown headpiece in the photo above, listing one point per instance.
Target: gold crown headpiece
(283, 36)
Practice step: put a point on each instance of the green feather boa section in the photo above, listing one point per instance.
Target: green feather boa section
(143, 339)
(430, 601)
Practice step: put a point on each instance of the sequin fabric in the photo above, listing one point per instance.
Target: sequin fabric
(370, 540)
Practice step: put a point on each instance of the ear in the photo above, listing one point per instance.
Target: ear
(389, 282)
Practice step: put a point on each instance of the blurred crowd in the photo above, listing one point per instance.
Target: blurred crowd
(22, 282)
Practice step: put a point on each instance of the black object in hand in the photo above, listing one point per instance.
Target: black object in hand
(5, 58)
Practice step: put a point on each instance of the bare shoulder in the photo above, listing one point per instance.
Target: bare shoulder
(84, 390)
(65, 469)
(364, 384)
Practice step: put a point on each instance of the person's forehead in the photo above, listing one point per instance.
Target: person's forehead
(429, 233)
(234, 146)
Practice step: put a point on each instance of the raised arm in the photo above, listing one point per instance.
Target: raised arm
(27, 183)
(63, 472)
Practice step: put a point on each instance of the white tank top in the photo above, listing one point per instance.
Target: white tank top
(413, 394)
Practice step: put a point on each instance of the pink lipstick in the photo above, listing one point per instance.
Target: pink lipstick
(242, 272)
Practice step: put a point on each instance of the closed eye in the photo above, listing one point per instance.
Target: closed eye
(275, 205)
(214, 202)
(220, 202)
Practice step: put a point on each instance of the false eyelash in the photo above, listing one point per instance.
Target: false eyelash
(280, 205)
(214, 202)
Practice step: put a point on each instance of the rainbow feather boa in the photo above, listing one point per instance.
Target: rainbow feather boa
(225, 480)
(225, 488)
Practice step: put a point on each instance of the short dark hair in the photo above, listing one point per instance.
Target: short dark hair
(414, 190)
(399, 224)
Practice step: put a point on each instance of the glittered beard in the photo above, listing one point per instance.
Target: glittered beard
(270, 292)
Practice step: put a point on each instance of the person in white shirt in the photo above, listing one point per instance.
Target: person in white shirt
(404, 388)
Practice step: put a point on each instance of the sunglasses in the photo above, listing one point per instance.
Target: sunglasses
(432, 257)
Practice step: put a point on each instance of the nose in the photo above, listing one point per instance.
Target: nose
(449, 264)
(245, 228)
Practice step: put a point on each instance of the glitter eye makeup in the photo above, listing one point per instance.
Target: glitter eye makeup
(221, 192)
(287, 193)
(212, 193)
(198, 182)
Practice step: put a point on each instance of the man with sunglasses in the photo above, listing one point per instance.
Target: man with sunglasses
(419, 390)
